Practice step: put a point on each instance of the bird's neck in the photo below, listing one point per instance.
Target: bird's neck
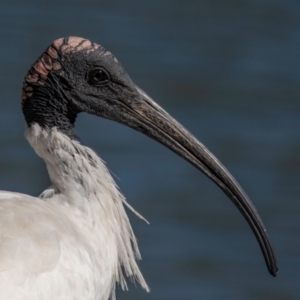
(49, 111)
(84, 184)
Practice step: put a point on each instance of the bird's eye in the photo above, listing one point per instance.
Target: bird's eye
(98, 76)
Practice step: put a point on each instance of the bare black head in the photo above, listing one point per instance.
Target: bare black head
(75, 75)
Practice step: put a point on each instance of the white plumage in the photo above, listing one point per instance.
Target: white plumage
(71, 245)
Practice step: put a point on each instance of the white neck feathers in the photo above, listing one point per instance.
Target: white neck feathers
(84, 183)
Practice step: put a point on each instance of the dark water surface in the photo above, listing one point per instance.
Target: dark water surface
(230, 72)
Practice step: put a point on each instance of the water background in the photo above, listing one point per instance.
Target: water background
(229, 71)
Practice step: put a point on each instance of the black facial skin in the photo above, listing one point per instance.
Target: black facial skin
(91, 80)
(71, 90)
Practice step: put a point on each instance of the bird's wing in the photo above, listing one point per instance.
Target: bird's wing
(48, 193)
(40, 252)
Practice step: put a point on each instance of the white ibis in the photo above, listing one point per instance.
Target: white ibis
(75, 240)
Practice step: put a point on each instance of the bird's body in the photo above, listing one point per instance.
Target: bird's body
(72, 244)
(75, 240)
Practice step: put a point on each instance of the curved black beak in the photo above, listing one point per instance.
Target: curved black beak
(144, 115)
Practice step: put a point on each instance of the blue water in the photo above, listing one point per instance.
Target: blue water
(229, 71)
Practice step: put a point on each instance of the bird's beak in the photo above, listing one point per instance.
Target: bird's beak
(149, 118)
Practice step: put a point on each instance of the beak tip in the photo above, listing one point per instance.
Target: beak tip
(273, 272)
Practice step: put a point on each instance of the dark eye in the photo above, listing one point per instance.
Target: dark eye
(98, 76)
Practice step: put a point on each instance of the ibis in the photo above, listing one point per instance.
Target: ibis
(75, 240)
